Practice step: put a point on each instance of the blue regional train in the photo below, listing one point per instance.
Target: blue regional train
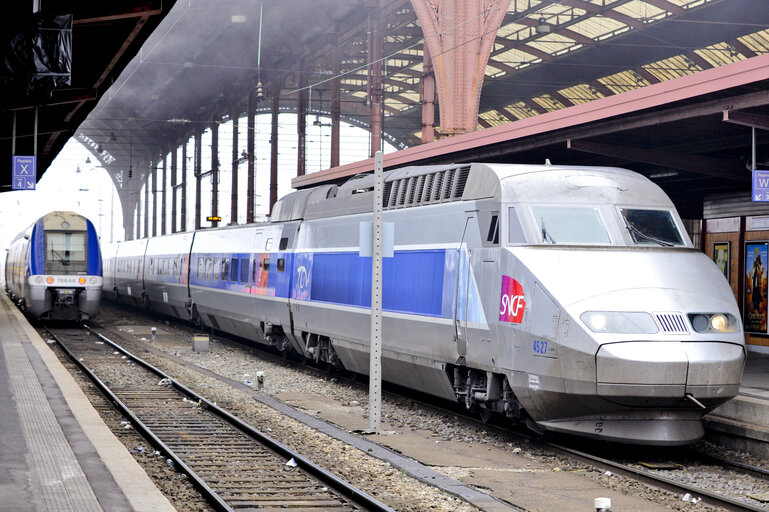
(53, 269)
(568, 298)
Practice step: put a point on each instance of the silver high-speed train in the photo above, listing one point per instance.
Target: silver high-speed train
(567, 297)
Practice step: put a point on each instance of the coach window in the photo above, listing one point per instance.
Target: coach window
(493, 235)
(176, 266)
(281, 264)
(209, 267)
(243, 270)
(234, 270)
(514, 229)
(217, 268)
(201, 268)
(225, 268)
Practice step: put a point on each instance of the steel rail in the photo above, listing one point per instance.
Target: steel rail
(342, 487)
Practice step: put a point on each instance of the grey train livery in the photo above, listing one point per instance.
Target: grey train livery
(569, 298)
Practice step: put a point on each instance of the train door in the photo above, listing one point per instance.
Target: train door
(464, 255)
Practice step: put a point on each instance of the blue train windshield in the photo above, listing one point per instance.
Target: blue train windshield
(652, 227)
(570, 225)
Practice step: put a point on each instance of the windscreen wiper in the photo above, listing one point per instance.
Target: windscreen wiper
(545, 235)
(638, 233)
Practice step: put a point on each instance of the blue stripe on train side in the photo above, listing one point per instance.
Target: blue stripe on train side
(413, 280)
(94, 254)
(37, 249)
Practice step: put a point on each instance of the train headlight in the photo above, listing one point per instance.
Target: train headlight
(713, 322)
(49, 280)
(81, 280)
(619, 322)
(39, 280)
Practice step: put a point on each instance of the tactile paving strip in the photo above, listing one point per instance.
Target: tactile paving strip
(55, 473)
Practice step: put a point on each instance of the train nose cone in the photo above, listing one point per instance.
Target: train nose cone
(662, 373)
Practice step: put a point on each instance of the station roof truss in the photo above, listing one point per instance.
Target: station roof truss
(105, 37)
(548, 56)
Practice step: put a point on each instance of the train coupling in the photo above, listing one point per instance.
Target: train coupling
(65, 297)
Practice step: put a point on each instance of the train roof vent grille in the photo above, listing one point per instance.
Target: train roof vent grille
(441, 186)
(672, 323)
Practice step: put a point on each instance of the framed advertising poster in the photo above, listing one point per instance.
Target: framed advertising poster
(721, 257)
(754, 301)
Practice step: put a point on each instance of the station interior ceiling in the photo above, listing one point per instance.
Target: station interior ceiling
(205, 57)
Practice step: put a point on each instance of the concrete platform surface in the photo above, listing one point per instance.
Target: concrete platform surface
(743, 423)
(56, 454)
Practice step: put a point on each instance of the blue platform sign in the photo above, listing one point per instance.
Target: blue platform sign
(24, 176)
(760, 186)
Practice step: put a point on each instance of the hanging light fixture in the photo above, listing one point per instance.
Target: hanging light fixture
(543, 27)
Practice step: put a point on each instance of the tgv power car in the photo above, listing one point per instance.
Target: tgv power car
(567, 297)
(54, 268)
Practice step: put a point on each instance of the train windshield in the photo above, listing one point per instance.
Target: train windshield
(65, 253)
(570, 225)
(652, 227)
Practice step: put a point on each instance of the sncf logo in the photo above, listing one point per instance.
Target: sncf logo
(511, 301)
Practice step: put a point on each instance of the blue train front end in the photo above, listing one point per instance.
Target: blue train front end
(64, 279)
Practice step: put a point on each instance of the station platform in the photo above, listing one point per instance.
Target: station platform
(56, 454)
(743, 423)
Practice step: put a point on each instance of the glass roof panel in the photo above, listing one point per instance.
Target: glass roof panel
(757, 42)
(642, 11)
(581, 93)
(720, 54)
(674, 67)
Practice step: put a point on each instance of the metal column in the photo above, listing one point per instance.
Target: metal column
(462, 34)
(375, 80)
(375, 352)
(197, 172)
(335, 105)
(235, 156)
(147, 186)
(183, 219)
(251, 143)
(163, 197)
(174, 178)
(274, 148)
(215, 171)
(427, 98)
(301, 122)
(154, 190)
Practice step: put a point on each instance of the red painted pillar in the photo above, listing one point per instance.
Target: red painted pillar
(235, 156)
(301, 121)
(375, 80)
(183, 219)
(251, 136)
(154, 190)
(427, 98)
(460, 37)
(214, 171)
(174, 178)
(336, 60)
(163, 197)
(198, 171)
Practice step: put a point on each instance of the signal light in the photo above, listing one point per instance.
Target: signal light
(81, 280)
(49, 280)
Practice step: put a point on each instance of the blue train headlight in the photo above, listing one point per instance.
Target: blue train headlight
(619, 322)
(713, 322)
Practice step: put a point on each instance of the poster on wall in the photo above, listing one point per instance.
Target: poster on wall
(754, 305)
(721, 257)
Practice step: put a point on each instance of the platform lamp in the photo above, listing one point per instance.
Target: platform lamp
(543, 27)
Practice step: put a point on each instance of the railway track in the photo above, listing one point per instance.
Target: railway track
(233, 465)
(619, 465)
(671, 480)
